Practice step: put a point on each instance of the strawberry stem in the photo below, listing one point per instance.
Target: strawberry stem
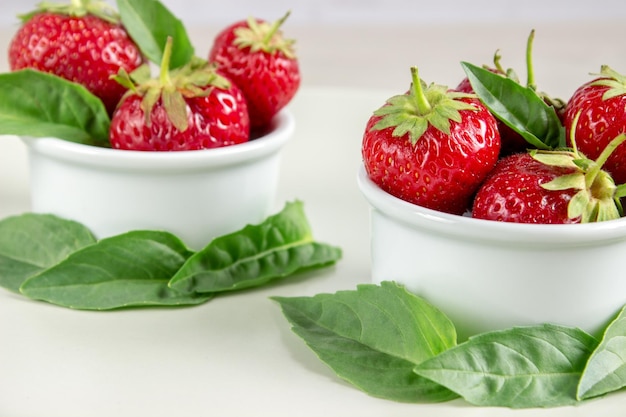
(274, 28)
(572, 133)
(423, 106)
(496, 62)
(593, 172)
(164, 75)
(530, 80)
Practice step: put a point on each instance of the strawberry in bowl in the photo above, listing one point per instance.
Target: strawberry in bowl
(173, 152)
(498, 260)
(431, 146)
(262, 62)
(84, 42)
(193, 108)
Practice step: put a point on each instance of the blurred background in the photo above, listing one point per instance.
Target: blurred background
(339, 12)
(370, 44)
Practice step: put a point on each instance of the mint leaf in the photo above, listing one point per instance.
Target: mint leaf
(150, 23)
(537, 366)
(38, 104)
(519, 107)
(606, 370)
(126, 270)
(280, 246)
(30, 243)
(373, 338)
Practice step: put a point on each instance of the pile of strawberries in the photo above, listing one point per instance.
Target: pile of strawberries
(249, 75)
(494, 149)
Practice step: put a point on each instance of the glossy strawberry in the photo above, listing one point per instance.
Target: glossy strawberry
(255, 56)
(513, 193)
(192, 108)
(432, 147)
(550, 187)
(82, 42)
(511, 141)
(602, 107)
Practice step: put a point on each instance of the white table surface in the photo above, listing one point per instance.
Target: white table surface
(235, 355)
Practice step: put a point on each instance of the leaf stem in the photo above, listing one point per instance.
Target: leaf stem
(423, 106)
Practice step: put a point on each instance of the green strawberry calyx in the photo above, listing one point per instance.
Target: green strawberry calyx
(265, 36)
(615, 82)
(77, 8)
(195, 79)
(598, 198)
(423, 106)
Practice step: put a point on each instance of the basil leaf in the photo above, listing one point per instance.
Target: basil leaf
(150, 23)
(30, 243)
(519, 107)
(280, 246)
(373, 338)
(38, 104)
(537, 366)
(130, 269)
(606, 370)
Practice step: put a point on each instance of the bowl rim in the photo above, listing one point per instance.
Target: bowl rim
(94, 156)
(465, 227)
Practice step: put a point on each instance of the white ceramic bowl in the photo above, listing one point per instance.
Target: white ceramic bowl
(488, 275)
(197, 195)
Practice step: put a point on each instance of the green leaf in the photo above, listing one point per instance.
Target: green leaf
(38, 104)
(373, 338)
(280, 246)
(606, 369)
(150, 23)
(130, 269)
(30, 243)
(519, 107)
(537, 366)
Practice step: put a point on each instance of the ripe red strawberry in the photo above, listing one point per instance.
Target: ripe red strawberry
(511, 141)
(256, 57)
(82, 42)
(602, 107)
(513, 193)
(432, 147)
(549, 187)
(193, 108)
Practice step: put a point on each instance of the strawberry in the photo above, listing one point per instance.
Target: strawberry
(602, 107)
(82, 42)
(550, 187)
(511, 141)
(513, 193)
(192, 108)
(431, 146)
(256, 57)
